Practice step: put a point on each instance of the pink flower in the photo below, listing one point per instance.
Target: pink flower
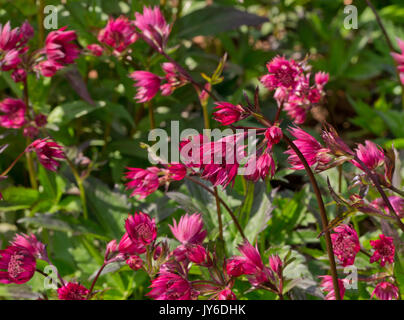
(26, 32)
(198, 254)
(311, 149)
(111, 249)
(173, 78)
(30, 132)
(41, 120)
(13, 113)
(95, 49)
(276, 264)
(282, 73)
(396, 202)
(327, 286)
(143, 181)
(237, 266)
(148, 85)
(228, 113)
(226, 294)
(153, 26)
(177, 171)
(30, 244)
(321, 78)
(141, 228)
(19, 75)
(274, 135)
(345, 243)
(385, 291)
(189, 229)
(48, 68)
(384, 250)
(170, 286)
(19, 265)
(118, 33)
(10, 60)
(127, 246)
(48, 152)
(9, 38)
(256, 168)
(134, 262)
(296, 109)
(59, 47)
(371, 155)
(72, 291)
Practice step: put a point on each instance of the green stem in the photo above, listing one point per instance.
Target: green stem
(12, 164)
(79, 181)
(31, 170)
(41, 29)
(151, 116)
(95, 280)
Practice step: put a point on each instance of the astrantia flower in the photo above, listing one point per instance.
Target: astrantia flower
(9, 38)
(19, 75)
(10, 60)
(72, 291)
(321, 78)
(385, 291)
(276, 264)
(130, 247)
(13, 113)
(256, 168)
(345, 243)
(371, 155)
(95, 49)
(226, 294)
(384, 250)
(48, 153)
(141, 228)
(177, 171)
(282, 73)
(311, 149)
(59, 47)
(17, 265)
(153, 26)
(170, 286)
(189, 229)
(274, 135)
(118, 33)
(31, 244)
(237, 266)
(30, 132)
(47, 68)
(396, 202)
(134, 262)
(295, 109)
(198, 254)
(327, 286)
(142, 181)
(147, 83)
(228, 113)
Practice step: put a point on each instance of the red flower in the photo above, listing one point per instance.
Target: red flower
(274, 135)
(385, 291)
(141, 228)
(134, 262)
(13, 113)
(228, 113)
(60, 49)
(327, 286)
(345, 243)
(282, 73)
(147, 83)
(18, 264)
(118, 33)
(384, 250)
(226, 294)
(189, 229)
(48, 152)
(143, 181)
(371, 155)
(72, 291)
(127, 246)
(170, 286)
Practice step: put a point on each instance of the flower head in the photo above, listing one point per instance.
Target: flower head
(31, 244)
(189, 229)
(95, 49)
(10, 60)
(345, 243)
(384, 250)
(259, 168)
(9, 38)
(134, 262)
(17, 265)
(226, 294)
(72, 291)
(171, 286)
(327, 286)
(13, 113)
(59, 47)
(274, 135)
(142, 181)
(130, 247)
(153, 26)
(396, 202)
(385, 291)
(147, 83)
(118, 33)
(141, 228)
(370, 154)
(228, 113)
(19, 75)
(48, 152)
(198, 254)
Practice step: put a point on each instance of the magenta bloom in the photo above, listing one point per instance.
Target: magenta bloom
(198, 254)
(127, 246)
(48, 152)
(31, 244)
(371, 155)
(72, 291)
(17, 265)
(173, 79)
(118, 33)
(295, 109)
(259, 168)
(282, 73)
(311, 149)
(143, 181)
(226, 294)
(141, 228)
(170, 286)
(276, 264)
(345, 243)
(384, 250)
(10, 60)
(9, 38)
(321, 78)
(147, 83)
(189, 229)
(95, 49)
(396, 202)
(153, 26)
(177, 171)
(59, 47)
(134, 262)
(274, 135)
(48, 68)
(41, 120)
(228, 113)
(385, 291)
(13, 113)
(327, 286)
(30, 132)
(237, 266)
(19, 75)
